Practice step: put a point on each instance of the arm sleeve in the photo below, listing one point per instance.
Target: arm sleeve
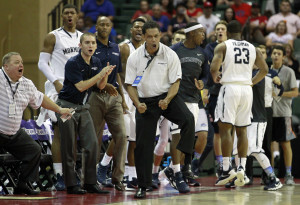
(43, 65)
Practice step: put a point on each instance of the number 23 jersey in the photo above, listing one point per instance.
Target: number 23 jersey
(238, 62)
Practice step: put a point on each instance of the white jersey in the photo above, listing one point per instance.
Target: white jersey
(238, 62)
(131, 47)
(66, 46)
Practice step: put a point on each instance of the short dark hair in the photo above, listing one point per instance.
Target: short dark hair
(234, 27)
(278, 47)
(86, 34)
(178, 32)
(70, 6)
(149, 25)
(285, 1)
(262, 47)
(138, 20)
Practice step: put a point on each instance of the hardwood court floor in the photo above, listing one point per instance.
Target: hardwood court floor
(206, 194)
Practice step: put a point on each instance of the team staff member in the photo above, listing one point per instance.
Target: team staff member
(81, 73)
(59, 46)
(153, 76)
(16, 93)
(109, 108)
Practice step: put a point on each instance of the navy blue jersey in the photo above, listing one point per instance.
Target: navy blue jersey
(194, 66)
(258, 106)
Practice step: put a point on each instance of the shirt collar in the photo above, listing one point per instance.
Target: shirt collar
(159, 52)
(101, 45)
(83, 61)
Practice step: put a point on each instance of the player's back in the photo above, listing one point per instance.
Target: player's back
(238, 62)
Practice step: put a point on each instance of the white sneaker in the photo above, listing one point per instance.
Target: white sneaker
(240, 175)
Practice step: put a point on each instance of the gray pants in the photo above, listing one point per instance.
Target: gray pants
(81, 124)
(109, 109)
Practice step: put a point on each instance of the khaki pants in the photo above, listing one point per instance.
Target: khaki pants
(109, 109)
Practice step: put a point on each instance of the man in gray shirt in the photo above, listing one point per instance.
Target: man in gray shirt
(282, 109)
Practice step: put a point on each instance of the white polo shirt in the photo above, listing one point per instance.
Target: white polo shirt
(158, 76)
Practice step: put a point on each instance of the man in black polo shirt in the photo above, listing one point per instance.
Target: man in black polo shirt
(107, 105)
(81, 73)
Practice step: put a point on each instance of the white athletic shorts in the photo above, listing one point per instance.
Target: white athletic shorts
(234, 105)
(129, 118)
(202, 124)
(193, 107)
(255, 135)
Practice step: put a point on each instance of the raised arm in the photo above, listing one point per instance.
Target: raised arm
(100, 79)
(45, 55)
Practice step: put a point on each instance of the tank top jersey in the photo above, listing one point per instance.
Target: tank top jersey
(66, 46)
(131, 47)
(238, 62)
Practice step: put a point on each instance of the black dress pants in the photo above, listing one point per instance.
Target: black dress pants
(146, 123)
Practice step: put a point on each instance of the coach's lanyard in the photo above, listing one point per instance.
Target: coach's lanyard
(14, 92)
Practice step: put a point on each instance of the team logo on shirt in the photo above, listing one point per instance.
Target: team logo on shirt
(70, 50)
(114, 53)
(94, 68)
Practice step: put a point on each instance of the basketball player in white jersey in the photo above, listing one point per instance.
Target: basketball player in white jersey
(59, 45)
(237, 58)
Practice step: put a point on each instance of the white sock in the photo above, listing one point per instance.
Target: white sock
(242, 162)
(155, 169)
(106, 160)
(226, 163)
(57, 168)
(176, 168)
(131, 172)
(126, 172)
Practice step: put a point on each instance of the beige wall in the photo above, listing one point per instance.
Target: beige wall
(23, 28)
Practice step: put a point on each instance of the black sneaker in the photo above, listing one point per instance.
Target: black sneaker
(60, 184)
(219, 170)
(189, 176)
(230, 184)
(170, 176)
(155, 181)
(274, 184)
(195, 166)
(181, 185)
(132, 185)
(226, 176)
